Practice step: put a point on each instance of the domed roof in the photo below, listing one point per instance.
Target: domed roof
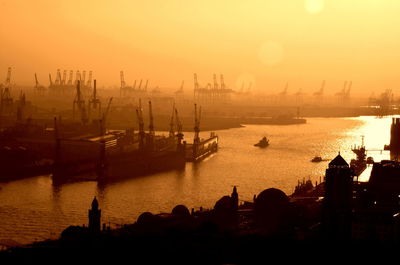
(270, 199)
(225, 203)
(181, 210)
(146, 218)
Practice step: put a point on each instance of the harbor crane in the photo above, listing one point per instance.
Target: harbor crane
(320, 92)
(105, 117)
(80, 104)
(71, 74)
(197, 117)
(38, 87)
(196, 140)
(179, 126)
(89, 82)
(94, 102)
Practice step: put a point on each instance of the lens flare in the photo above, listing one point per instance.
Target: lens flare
(314, 6)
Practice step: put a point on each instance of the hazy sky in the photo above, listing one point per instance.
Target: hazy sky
(266, 42)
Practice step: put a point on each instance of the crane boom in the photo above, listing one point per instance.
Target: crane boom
(36, 80)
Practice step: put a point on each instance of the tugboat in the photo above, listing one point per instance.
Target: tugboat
(317, 159)
(264, 142)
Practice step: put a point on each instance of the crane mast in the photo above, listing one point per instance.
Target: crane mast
(50, 80)
(196, 124)
(215, 81)
(179, 134)
(222, 81)
(151, 125)
(105, 114)
(8, 78)
(94, 102)
(140, 84)
(89, 82)
(171, 123)
(36, 81)
(64, 77)
(80, 103)
(141, 125)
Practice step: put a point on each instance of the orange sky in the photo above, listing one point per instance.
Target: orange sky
(269, 42)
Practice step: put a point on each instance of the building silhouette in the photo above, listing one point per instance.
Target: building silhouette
(94, 216)
(337, 203)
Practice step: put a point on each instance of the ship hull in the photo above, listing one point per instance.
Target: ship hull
(140, 164)
(124, 165)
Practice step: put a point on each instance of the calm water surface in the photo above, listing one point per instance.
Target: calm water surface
(34, 209)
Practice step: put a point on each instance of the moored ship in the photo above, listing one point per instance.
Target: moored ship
(118, 154)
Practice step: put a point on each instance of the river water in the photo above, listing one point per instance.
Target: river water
(34, 209)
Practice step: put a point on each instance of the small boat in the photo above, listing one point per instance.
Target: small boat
(264, 142)
(317, 159)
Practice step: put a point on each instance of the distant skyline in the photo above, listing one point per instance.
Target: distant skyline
(267, 43)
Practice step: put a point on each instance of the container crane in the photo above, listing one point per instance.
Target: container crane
(64, 77)
(89, 82)
(71, 74)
